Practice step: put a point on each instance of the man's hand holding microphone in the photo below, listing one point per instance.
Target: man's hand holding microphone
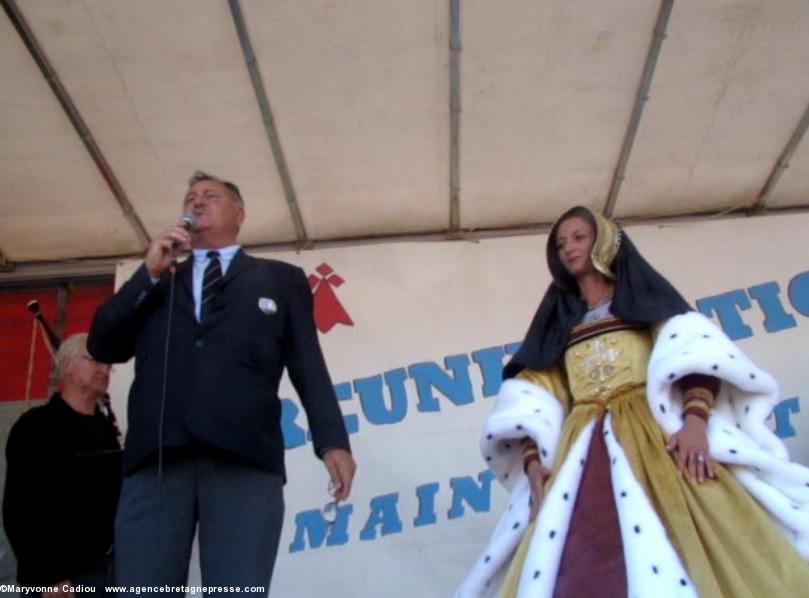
(165, 247)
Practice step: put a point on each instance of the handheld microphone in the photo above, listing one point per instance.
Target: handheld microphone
(189, 223)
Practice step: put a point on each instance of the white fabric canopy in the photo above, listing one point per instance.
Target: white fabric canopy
(360, 94)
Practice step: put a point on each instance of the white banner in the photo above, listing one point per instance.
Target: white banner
(417, 334)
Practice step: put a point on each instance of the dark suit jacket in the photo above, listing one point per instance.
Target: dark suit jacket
(223, 374)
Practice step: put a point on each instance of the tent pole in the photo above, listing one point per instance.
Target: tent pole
(640, 101)
(781, 164)
(66, 102)
(269, 123)
(455, 120)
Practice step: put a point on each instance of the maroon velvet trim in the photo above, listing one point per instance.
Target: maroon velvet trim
(583, 332)
(593, 558)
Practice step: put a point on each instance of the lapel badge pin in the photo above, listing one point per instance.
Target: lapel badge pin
(267, 306)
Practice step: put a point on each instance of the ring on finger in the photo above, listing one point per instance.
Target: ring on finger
(700, 458)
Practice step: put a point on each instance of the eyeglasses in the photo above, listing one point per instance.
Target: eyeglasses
(89, 358)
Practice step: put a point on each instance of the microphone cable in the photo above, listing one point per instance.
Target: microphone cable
(188, 222)
(164, 390)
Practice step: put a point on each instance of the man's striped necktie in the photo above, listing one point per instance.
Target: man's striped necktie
(211, 281)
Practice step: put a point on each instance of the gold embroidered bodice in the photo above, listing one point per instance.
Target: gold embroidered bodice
(602, 364)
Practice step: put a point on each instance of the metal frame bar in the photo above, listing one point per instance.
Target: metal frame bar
(95, 269)
(269, 122)
(30, 275)
(72, 112)
(455, 119)
(781, 164)
(6, 265)
(640, 101)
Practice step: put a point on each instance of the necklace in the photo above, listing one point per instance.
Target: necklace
(603, 301)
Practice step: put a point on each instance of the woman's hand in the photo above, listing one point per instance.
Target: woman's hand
(537, 474)
(691, 446)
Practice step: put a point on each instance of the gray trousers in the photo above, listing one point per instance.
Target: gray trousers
(238, 507)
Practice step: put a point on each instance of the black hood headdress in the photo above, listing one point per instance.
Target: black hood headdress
(642, 295)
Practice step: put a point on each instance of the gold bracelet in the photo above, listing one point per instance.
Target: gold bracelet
(698, 393)
(697, 407)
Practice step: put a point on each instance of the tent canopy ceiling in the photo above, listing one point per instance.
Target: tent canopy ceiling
(361, 97)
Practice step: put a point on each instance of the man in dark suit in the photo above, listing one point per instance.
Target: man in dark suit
(211, 338)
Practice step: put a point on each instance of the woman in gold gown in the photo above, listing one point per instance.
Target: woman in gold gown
(630, 432)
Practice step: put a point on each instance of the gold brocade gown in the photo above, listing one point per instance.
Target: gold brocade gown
(725, 540)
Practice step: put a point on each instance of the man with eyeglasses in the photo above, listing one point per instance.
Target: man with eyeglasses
(63, 480)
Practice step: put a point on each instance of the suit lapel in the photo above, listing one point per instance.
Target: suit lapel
(184, 293)
(241, 262)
